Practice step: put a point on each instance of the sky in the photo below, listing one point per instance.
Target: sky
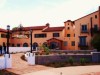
(40, 12)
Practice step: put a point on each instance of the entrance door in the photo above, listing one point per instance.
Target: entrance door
(35, 45)
(53, 45)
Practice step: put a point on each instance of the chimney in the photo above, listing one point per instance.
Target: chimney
(99, 8)
(47, 24)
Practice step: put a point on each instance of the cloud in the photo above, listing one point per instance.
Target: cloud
(2, 3)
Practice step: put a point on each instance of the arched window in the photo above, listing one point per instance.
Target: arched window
(25, 45)
(35, 45)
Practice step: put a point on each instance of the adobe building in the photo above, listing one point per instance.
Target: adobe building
(74, 35)
(53, 37)
(85, 28)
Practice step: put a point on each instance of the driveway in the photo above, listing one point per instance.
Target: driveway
(76, 70)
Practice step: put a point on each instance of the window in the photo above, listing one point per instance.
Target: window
(3, 35)
(96, 16)
(73, 43)
(68, 28)
(18, 45)
(84, 28)
(96, 27)
(82, 41)
(25, 45)
(65, 43)
(40, 35)
(55, 34)
(68, 35)
(74, 35)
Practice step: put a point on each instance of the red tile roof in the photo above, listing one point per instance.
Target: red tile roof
(54, 39)
(29, 28)
(51, 29)
(3, 30)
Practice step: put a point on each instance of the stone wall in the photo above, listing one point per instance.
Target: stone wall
(44, 59)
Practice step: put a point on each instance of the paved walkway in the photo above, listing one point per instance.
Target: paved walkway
(20, 66)
(76, 70)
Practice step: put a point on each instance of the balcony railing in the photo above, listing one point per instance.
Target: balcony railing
(82, 44)
(84, 31)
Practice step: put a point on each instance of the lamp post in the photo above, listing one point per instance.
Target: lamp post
(31, 56)
(31, 39)
(8, 28)
(8, 57)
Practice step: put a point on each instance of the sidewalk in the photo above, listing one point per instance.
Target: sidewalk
(76, 70)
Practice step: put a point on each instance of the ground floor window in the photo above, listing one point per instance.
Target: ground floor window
(25, 45)
(73, 43)
(18, 45)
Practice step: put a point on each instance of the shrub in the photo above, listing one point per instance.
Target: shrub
(71, 61)
(96, 41)
(82, 61)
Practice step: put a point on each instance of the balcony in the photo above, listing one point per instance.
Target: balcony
(82, 44)
(84, 31)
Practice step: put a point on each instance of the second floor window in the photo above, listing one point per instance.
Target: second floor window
(55, 34)
(40, 35)
(84, 28)
(68, 35)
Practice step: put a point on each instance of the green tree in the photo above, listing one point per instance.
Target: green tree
(96, 41)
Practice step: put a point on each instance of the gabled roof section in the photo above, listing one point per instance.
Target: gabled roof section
(51, 29)
(54, 39)
(86, 15)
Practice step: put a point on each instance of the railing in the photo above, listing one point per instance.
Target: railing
(82, 44)
(74, 51)
(84, 31)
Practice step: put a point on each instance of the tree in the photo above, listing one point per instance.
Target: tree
(96, 41)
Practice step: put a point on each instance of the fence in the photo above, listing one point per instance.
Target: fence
(44, 59)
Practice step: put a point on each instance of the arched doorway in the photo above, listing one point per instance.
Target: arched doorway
(35, 45)
(25, 45)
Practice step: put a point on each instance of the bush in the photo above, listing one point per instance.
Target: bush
(96, 42)
(82, 61)
(71, 61)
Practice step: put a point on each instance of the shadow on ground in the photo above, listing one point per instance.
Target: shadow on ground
(5, 72)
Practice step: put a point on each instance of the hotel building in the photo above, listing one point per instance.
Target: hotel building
(74, 35)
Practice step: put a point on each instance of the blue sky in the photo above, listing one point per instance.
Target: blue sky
(40, 12)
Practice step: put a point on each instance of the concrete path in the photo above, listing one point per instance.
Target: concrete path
(76, 70)
(20, 66)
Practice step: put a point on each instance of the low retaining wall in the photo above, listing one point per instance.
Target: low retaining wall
(18, 49)
(44, 59)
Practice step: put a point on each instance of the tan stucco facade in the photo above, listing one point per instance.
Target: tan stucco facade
(68, 37)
